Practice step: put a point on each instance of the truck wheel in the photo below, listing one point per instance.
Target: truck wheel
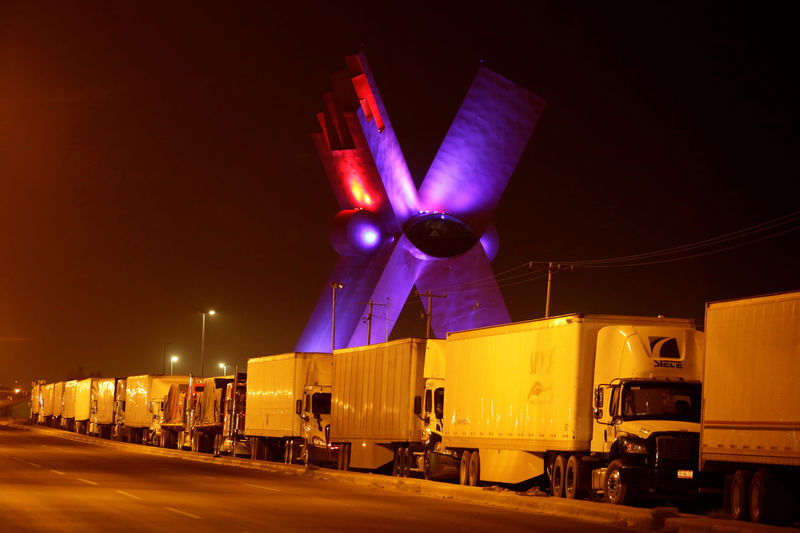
(474, 469)
(408, 463)
(739, 494)
(616, 490)
(557, 476)
(217, 444)
(426, 464)
(288, 452)
(463, 468)
(399, 462)
(572, 477)
(195, 441)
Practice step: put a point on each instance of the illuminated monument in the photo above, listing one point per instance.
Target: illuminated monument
(391, 236)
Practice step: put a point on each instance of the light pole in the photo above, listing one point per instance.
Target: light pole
(210, 312)
(172, 361)
(334, 285)
(224, 368)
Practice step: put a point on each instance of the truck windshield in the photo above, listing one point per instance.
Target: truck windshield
(669, 401)
(321, 403)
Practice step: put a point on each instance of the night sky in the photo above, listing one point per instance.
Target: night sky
(156, 160)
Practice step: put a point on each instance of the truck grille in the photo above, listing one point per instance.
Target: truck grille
(674, 448)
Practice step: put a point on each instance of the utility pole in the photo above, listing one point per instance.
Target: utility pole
(334, 285)
(430, 296)
(368, 319)
(550, 271)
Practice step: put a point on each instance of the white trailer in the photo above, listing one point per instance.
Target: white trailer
(144, 398)
(751, 415)
(36, 401)
(68, 413)
(94, 406)
(58, 403)
(288, 407)
(377, 402)
(519, 404)
(46, 409)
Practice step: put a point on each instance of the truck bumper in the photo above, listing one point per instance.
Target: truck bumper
(672, 480)
(323, 455)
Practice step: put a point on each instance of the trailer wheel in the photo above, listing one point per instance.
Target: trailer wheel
(463, 468)
(557, 476)
(739, 494)
(475, 469)
(572, 477)
(616, 490)
(345, 451)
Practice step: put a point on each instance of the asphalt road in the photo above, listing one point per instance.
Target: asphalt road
(51, 484)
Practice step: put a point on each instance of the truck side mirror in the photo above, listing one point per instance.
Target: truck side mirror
(417, 405)
(298, 407)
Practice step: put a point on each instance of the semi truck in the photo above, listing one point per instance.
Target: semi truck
(204, 408)
(232, 440)
(598, 404)
(750, 434)
(288, 407)
(118, 431)
(173, 416)
(68, 413)
(94, 406)
(376, 407)
(144, 399)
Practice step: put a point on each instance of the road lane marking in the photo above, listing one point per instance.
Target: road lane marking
(34, 464)
(184, 513)
(128, 494)
(262, 487)
(87, 481)
(57, 472)
(18, 458)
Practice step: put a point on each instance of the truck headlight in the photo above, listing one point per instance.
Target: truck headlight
(634, 446)
(317, 441)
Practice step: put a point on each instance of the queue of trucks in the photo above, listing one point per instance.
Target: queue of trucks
(602, 406)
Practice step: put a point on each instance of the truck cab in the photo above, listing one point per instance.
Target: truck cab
(647, 399)
(315, 411)
(434, 461)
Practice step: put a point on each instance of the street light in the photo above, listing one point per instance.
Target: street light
(210, 312)
(224, 368)
(334, 285)
(172, 361)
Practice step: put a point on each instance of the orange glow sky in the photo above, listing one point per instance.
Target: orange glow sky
(156, 161)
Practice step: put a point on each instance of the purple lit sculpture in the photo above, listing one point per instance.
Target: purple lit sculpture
(391, 236)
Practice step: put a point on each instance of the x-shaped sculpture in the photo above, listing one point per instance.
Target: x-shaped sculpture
(391, 236)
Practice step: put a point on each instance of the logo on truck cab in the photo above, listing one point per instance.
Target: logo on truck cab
(665, 348)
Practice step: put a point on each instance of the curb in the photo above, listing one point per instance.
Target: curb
(666, 519)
